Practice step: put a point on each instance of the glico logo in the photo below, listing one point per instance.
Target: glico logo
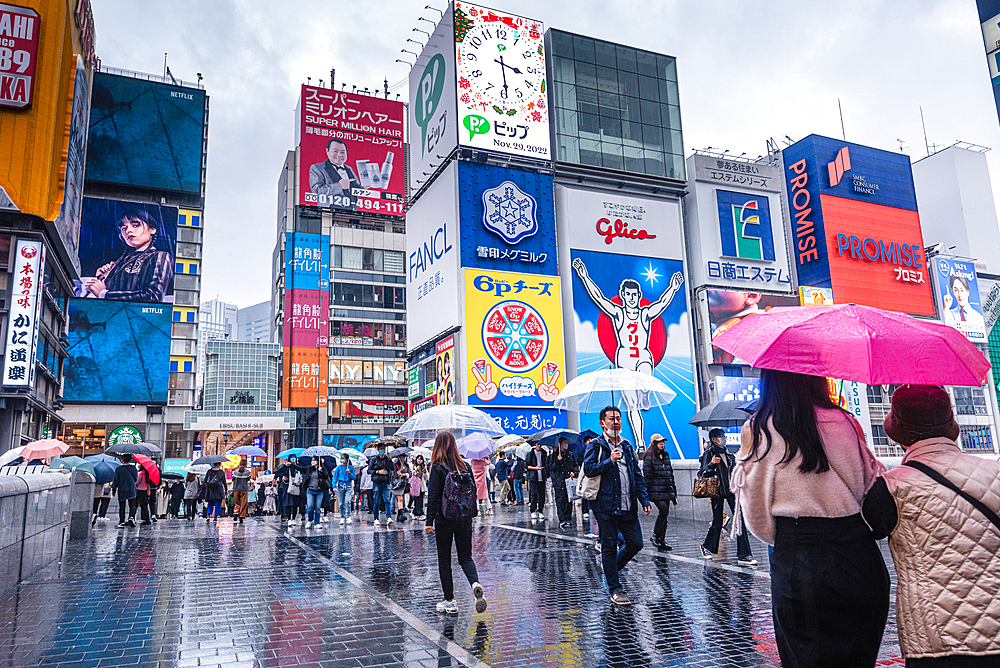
(745, 226)
(840, 164)
(620, 229)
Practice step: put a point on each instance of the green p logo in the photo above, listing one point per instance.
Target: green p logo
(476, 125)
(429, 96)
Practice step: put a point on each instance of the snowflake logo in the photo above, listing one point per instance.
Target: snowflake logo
(509, 212)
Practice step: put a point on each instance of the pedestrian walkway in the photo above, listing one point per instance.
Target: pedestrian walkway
(221, 594)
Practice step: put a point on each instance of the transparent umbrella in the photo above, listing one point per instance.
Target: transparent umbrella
(457, 419)
(628, 390)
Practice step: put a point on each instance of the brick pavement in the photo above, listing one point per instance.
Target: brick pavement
(205, 594)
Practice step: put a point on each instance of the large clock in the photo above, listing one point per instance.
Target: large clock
(500, 68)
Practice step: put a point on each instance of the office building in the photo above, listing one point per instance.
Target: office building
(253, 323)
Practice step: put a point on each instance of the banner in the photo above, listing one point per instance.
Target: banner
(351, 151)
(514, 335)
(631, 312)
(958, 298)
(28, 272)
(726, 308)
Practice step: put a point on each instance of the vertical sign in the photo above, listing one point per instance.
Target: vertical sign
(22, 328)
(19, 30)
(500, 75)
(306, 327)
(69, 219)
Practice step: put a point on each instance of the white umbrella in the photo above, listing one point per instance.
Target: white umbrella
(9, 456)
(522, 451)
(197, 469)
(507, 441)
(628, 390)
(421, 450)
(454, 418)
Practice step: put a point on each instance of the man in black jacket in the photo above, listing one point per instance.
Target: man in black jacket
(123, 486)
(503, 475)
(381, 469)
(537, 466)
(517, 480)
(562, 467)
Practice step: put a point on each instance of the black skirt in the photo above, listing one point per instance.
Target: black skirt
(829, 592)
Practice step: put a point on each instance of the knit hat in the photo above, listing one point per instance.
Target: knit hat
(919, 412)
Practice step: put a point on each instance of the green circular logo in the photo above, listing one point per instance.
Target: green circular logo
(124, 434)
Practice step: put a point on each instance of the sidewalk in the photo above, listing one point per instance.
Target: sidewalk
(217, 594)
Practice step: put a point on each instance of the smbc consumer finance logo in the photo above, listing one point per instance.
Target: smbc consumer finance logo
(745, 226)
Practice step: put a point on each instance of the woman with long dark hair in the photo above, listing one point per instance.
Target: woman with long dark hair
(802, 476)
(448, 470)
(660, 485)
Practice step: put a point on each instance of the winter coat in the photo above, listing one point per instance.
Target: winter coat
(380, 463)
(191, 489)
(597, 462)
(503, 469)
(946, 552)
(722, 470)
(124, 483)
(559, 469)
(659, 476)
(530, 474)
(517, 471)
(216, 486)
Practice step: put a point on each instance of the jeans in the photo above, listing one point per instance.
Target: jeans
(518, 491)
(536, 495)
(461, 531)
(189, 508)
(715, 531)
(563, 506)
(344, 498)
(383, 499)
(314, 501)
(614, 558)
(132, 505)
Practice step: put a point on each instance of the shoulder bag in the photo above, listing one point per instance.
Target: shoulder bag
(587, 488)
(706, 488)
(942, 480)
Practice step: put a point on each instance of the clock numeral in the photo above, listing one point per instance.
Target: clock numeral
(531, 70)
(475, 42)
(501, 34)
(528, 84)
(519, 93)
(488, 87)
(526, 55)
(470, 56)
(476, 73)
(487, 34)
(503, 92)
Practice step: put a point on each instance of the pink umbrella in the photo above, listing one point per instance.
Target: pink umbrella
(43, 449)
(859, 343)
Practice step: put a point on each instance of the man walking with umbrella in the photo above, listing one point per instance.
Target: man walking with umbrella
(123, 487)
(241, 488)
(562, 466)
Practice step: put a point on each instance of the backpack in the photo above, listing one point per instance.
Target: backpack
(458, 498)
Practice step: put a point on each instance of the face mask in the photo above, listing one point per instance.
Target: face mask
(381, 451)
(614, 433)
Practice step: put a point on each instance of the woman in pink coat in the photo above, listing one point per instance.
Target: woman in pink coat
(479, 473)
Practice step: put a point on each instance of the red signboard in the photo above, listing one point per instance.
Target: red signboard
(351, 152)
(876, 256)
(19, 31)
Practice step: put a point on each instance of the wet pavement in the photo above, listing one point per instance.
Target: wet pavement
(182, 593)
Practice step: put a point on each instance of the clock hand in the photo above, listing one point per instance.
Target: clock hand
(510, 67)
(502, 71)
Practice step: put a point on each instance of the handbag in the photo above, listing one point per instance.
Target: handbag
(586, 487)
(295, 484)
(705, 488)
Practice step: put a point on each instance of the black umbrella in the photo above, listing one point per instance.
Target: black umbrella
(155, 449)
(750, 406)
(550, 437)
(172, 475)
(721, 414)
(129, 449)
(210, 459)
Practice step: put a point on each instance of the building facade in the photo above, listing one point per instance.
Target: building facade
(253, 323)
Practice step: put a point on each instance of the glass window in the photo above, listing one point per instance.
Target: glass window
(634, 159)
(590, 151)
(337, 256)
(563, 70)
(607, 79)
(589, 122)
(646, 63)
(654, 164)
(611, 125)
(612, 156)
(649, 88)
(394, 262)
(586, 75)
(568, 148)
(583, 49)
(605, 52)
(668, 67)
(652, 137)
(366, 295)
(350, 294)
(650, 112)
(875, 394)
(352, 257)
(562, 44)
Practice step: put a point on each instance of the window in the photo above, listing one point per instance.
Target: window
(372, 259)
(976, 439)
(394, 262)
(351, 257)
(875, 394)
(882, 445)
(970, 401)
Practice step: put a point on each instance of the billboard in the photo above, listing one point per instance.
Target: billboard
(727, 308)
(989, 18)
(127, 251)
(20, 31)
(68, 221)
(854, 220)
(734, 216)
(432, 112)
(119, 352)
(28, 270)
(307, 320)
(352, 441)
(500, 76)
(810, 296)
(351, 151)
(447, 378)
(508, 219)
(514, 336)
(631, 312)
(958, 297)
(432, 261)
(146, 134)
(853, 398)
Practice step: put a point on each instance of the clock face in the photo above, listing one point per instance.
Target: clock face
(500, 68)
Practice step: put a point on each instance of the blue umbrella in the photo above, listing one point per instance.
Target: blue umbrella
(577, 448)
(114, 462)
(249, 451)
(320, 451)
(291, 452)
(104, 472)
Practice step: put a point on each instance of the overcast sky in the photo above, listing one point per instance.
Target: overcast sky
(747, 70)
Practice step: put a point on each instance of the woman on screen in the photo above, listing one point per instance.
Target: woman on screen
(143, 273)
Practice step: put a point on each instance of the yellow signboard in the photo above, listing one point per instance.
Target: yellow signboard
(514, 335)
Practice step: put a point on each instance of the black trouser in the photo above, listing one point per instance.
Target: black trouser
(418, 505)
(189, 508)
(613, 557)
(829, 592)
(660, 528)
(461, 531)
(143, 501)
(101, 504)
(132, 504)
(175, 507)
(563, 507)
(536, 495)
(715, 531)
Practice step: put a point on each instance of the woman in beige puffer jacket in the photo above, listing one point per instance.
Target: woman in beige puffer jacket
(946, 551)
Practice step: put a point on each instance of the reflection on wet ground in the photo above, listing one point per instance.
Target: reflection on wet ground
(204, 594)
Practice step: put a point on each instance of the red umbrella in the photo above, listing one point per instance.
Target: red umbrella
(150, 468)
(859, 343)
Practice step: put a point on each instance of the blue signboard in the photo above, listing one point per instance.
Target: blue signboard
(526, 421)
(817, 166)
(307, 260)
(507, 219)
(958, 298)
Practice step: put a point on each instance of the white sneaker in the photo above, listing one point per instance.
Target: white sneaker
(342, 521)
(534, 516)
(389, 520)
(376, 525)
(448, 607)
(477, 591)
(349, 520)
(586, 516)
(749, 561)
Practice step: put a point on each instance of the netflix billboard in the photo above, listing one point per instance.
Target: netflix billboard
(351, 152)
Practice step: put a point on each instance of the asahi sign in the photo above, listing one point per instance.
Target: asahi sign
(19, 33)
(242, 397)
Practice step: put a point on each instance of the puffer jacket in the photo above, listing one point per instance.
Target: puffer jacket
(947, 553)
(659, 475)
